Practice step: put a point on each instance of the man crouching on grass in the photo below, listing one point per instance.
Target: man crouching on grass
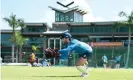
(82, 49)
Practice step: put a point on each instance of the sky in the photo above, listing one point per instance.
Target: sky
(38, 10)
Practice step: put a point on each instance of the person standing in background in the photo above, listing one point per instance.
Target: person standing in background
(117, 60)
(105, 61)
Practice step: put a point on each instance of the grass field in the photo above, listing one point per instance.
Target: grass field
(62, 73)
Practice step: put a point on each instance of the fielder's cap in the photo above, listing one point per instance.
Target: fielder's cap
(66, 35)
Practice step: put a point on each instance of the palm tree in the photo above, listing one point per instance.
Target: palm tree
(21, 24)
(20, 41)
(129, 24)
(13, 23)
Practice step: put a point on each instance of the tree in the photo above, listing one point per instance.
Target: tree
(129, 23)
(21, 24)
(20, 41)
(13, 23)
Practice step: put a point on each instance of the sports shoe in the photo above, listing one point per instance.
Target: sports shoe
(84, 74)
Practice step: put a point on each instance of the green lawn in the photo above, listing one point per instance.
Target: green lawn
(62, 73)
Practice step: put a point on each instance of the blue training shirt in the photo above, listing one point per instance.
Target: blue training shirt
(118, 58)
(76, 47)
(104, 58)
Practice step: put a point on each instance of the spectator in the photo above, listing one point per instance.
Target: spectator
(46, 63)
(117, 60)
(32, 58)
(105, 61)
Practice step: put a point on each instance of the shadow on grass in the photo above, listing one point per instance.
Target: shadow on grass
(57, 76)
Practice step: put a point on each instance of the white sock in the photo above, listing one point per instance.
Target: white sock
(82, 69)
(86, 67)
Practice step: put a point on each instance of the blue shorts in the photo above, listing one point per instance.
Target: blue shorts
(117, 62)
(85, 55)
(104, 62)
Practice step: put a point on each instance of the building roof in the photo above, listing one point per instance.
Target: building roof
(27, 24)
(92, 23)
(36, 24)
(7, 31)
(53, 32)
(76, 8)
(84, 23)
(43, 33)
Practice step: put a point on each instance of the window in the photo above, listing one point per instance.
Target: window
(81, 29)
(78, 17)
(35, 29)
(70, 14)
(62, 17)
(67, 18)
(6, 37)
(8, 49)
(102, 29)
(6, 40)
(123, 29)
(57, 16)
(87, 29)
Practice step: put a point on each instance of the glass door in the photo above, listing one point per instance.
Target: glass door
(54, 43)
